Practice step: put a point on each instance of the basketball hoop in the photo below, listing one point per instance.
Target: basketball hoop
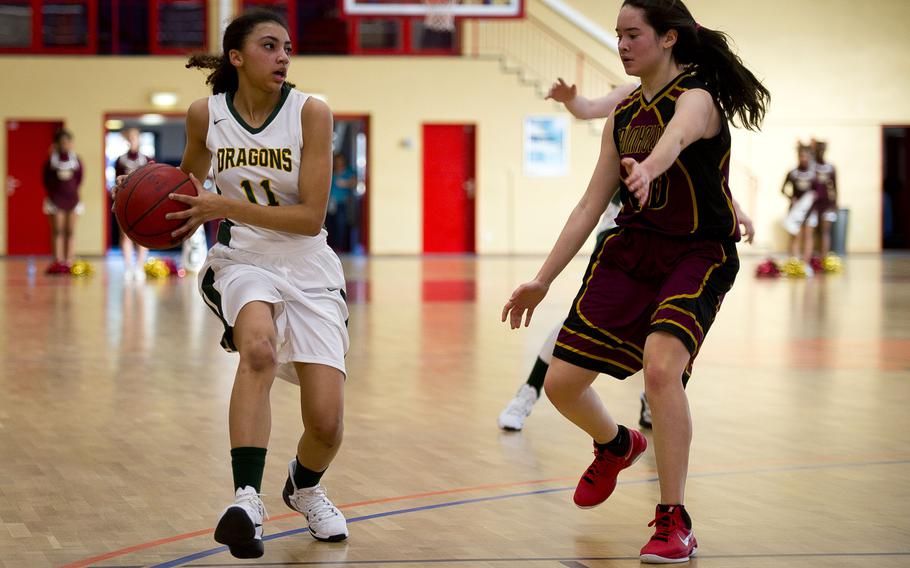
(440, 15)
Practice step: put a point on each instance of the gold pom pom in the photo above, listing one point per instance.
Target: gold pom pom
(155, 268)
(793, 268)
(82, 268)
(832, 263)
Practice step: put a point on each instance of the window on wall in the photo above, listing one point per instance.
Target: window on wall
(65, 24)
(15, 25)
(178, 26)
(114, 27)
(56, 26)
(320, 28)
(394, 35)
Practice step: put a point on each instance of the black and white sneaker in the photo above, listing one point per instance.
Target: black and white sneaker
(644, 419)
(326, 523)
(240, 525)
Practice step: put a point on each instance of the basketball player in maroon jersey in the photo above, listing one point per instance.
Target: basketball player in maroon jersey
(62, 178)
(520, 406)
(652, 289)
(133, 268)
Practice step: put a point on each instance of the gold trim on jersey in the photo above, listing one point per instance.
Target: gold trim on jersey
(680, 326)
(698, 292)
(692, 193)
(666, 90)
(603, 343)
(581, 316)
(597, 358)
(664, 305)
(728, 197)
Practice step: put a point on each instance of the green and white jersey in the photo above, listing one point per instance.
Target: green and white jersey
(260, 165)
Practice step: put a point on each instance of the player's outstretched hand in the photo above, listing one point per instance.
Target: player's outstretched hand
(748, 229)
(638, 180)
(524, 299)
(561, 92)
(203, 207)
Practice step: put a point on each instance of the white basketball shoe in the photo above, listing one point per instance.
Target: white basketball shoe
(240, 525)
(325, 520)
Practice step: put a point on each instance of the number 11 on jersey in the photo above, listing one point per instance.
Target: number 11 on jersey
(248, 189)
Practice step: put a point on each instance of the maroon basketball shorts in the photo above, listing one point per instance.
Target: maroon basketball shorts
(639, 282)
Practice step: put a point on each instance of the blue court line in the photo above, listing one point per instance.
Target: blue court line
(292, 532)
(570, 562)
(213, 551)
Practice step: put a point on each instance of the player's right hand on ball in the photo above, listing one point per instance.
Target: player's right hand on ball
(524, 298)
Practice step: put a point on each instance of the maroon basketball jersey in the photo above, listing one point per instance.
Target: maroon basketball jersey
(692, 198)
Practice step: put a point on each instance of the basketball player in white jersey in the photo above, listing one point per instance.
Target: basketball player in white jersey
(519, 408)
(272, 279)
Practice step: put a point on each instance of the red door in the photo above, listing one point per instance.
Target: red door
(448, 188)
(27, 145)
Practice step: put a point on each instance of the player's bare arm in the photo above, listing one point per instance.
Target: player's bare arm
(696, 117)
(584, 108)
(578, 227)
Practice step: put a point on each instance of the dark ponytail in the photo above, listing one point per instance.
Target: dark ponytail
(739, 93)
(223, 78)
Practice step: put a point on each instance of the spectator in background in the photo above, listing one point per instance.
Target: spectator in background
(826, 196)
(801, 221)
(344, 180)
(62, 178)
(133, 268)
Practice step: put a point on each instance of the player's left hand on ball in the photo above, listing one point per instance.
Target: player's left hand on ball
(637, 179)
(203, 207)
(524, 299)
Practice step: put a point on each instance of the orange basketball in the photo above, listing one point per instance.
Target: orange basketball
(142, 202)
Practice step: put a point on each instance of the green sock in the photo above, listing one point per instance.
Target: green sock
(248, 465)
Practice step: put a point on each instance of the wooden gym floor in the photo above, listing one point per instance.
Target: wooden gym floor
(114, 447)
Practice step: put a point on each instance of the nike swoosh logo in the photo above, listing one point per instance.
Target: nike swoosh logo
(686, 540)
(219, 120)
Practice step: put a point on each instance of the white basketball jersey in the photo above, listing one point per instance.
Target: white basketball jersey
(260, 165)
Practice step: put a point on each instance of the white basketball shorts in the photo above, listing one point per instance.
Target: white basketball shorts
(306, 290)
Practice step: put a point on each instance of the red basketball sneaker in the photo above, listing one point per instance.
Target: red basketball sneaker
(673, 541)
(599, 481)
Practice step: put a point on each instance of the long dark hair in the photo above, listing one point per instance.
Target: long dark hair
(223, 77)
(739, 93)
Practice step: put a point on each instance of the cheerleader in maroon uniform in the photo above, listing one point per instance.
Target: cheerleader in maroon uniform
(801, 221)
(652, 289)
(62, 178)
(133, 269)
(826, 197)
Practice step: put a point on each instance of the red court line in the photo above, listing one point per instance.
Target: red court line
(151, 544)
(159, 542)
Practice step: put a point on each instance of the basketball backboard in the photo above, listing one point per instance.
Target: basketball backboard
(422, 8)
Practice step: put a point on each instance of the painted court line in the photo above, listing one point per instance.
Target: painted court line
(210, 552)
(569, 562)
(176, 538)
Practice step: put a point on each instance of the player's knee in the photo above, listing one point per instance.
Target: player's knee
(259, 356)
(556, 390)
(327, 431)
(659, 376)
